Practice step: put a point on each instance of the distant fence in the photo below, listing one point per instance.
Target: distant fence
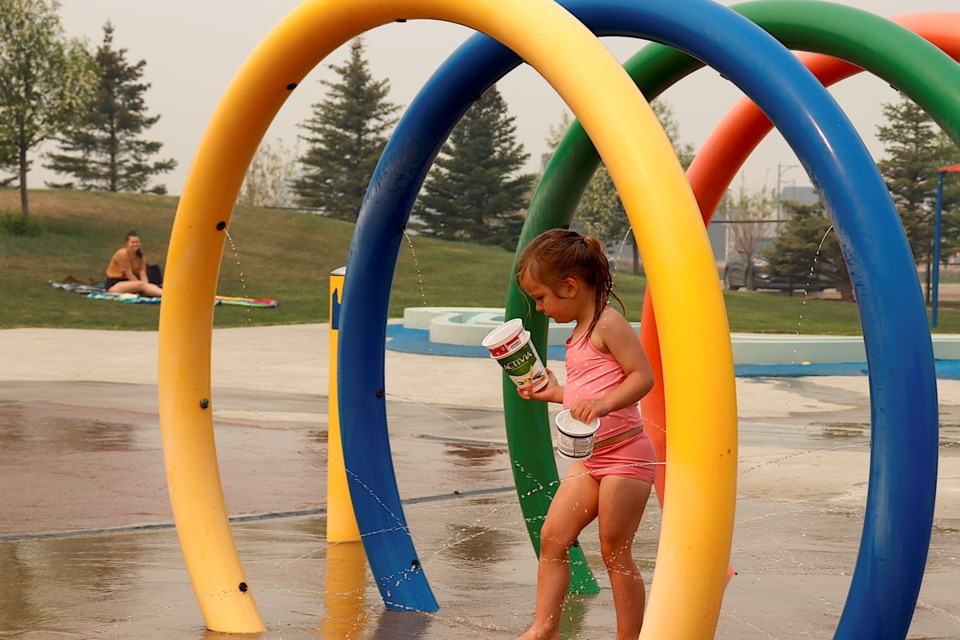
(948, 289)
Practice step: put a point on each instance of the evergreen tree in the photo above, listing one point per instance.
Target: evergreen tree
(473, 191)
(915, 148)
(347, 133)
(103, 149)
(45, 79)
(808, 249)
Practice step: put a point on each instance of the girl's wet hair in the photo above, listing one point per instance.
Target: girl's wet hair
(561, 253)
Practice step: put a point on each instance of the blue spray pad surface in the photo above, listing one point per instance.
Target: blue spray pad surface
(400, 338)
(404, 340)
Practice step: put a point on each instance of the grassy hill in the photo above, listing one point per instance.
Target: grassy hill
(288, 256)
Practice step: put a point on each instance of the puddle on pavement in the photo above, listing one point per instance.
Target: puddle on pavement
(50, 425)
(845, 430)
(794, 545)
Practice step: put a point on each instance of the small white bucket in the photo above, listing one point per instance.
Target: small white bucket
(575, 438)
(510, 345)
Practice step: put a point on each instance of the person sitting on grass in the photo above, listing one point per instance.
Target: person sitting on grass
(127, 271)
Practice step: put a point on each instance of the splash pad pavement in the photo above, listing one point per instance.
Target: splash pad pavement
(88, 548)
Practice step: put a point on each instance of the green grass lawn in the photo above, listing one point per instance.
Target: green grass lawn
(288, 256)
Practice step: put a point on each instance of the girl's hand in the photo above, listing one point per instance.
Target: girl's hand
(550, 393)
(587, 411)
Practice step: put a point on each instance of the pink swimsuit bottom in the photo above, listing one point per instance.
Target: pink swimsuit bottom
(632, 458)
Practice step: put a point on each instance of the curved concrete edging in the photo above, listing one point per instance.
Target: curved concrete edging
(468, 325)
(778, 348)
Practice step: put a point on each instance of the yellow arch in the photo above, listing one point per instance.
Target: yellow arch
(697, 527)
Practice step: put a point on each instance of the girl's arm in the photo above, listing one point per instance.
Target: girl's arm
(142, 276)
(614, 335)
(128, 272)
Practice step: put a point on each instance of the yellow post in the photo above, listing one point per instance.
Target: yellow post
(341, 521)
(345, 614)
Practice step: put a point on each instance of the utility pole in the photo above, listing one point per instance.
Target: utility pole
(941, 174)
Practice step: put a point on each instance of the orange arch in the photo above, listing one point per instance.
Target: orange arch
(722, 155)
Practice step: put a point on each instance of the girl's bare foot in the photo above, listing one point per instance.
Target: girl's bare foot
(541, 633)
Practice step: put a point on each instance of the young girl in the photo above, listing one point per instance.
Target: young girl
(567, 275)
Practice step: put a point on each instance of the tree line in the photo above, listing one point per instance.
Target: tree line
(915, 148)
(91, 106)
(90, 103)
(475, 191)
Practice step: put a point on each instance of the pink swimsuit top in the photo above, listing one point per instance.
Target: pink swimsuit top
(592, 374)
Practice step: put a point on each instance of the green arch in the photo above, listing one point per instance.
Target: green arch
(905, 60)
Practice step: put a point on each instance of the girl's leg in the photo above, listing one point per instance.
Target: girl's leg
(621, 504)
(126, 286)
(573, 507)
(145, 289)
(151, 290)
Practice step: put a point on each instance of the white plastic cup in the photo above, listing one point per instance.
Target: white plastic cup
(510, 345)
(575, 438)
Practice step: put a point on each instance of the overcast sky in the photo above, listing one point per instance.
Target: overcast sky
(193, 48)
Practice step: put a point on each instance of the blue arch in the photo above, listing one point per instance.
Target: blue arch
(899, 351)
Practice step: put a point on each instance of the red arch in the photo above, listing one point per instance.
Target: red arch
(722, 155)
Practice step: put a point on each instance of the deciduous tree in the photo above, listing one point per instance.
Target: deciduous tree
(750, 218)
(267, 183)
(600, 211)
(45, 80)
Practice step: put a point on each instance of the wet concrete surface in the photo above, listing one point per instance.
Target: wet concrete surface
(87, 547)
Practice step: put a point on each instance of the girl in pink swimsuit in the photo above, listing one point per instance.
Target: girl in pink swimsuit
(568, 277)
